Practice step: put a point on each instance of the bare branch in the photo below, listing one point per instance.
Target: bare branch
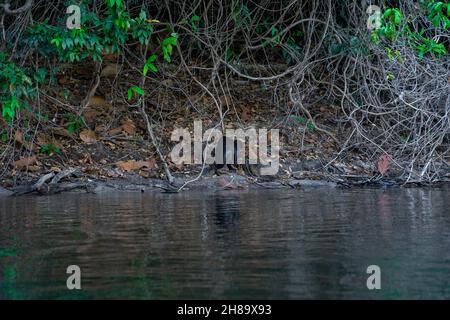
(7, 7)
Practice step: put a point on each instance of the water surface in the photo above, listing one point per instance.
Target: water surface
(295, 244)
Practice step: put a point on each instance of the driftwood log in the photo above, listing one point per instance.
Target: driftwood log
(54, 186)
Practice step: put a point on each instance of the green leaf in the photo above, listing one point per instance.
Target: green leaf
(143, 15)
(138, 90)
(150, 66)
(387, 13)
(152, 58)
(170, 41)
(135, 90)
(8, 253)
(436, 21)
(310, 126)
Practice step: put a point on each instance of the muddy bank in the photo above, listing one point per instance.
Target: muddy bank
(76, 180)
(231, 181)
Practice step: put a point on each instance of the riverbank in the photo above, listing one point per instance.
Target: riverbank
(112, 148)
(77, 180)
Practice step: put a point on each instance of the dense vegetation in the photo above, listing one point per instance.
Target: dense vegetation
(385, 75)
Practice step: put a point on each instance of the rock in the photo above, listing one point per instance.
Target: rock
(5, 192)
(111, 70)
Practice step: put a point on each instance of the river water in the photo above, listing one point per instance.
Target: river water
(275, 244)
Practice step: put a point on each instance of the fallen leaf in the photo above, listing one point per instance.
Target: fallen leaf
(43, 139)
(33, 168)
(18, 137)
(115, 131)
(384, 163)
(99, 128)
(129, 127)
(61, 132)
(88, 136)
(97, 101)
(86, 160)
(25, 162)
(91, 114)
(135, 165)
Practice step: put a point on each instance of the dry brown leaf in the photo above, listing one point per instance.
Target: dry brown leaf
(86, 160)
(99, 128)
(135, 165)
(129, 127)
(91, 114)
(88, 136)
(25, 162)
(384, 163)
(115, 131)
(34, 168)
(60, 132)
(18, 137)
(97, 101)
(44, 139)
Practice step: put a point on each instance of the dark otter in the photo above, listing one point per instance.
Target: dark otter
(225, 158)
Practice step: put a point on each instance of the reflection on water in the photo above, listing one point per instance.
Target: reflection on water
(266, 244)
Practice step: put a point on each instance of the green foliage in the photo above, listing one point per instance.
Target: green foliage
(392, 22)
(309, 125)
(241, 15)
(195, 21)
(275, 40)
(4, 136)
(75, 123)
(98, 35)
(167, 46)
(149, 65)
(396, 27)
(102, 33)
(439, 14)
(8, 252)
(49, 149)
(134, 91)
(119, 4)
(17, 86)
(287, 41)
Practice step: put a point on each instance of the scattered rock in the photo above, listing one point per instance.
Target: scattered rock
(5, 192)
